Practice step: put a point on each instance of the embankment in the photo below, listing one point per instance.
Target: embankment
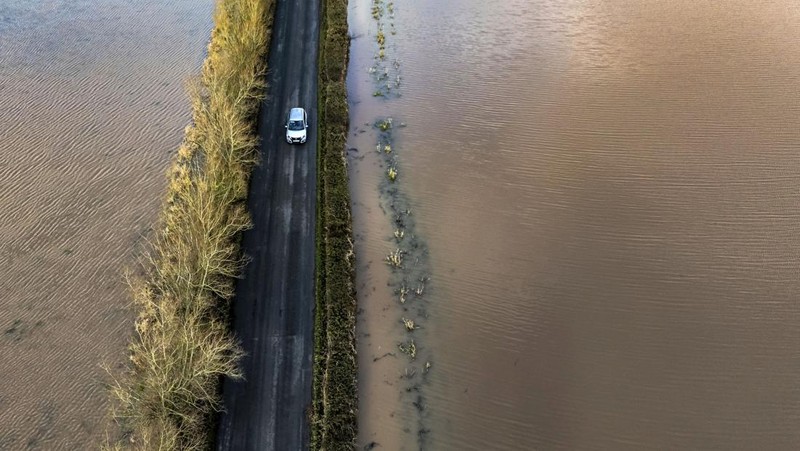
(335, 398)
(183, 344)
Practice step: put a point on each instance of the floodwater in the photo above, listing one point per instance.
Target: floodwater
(609, 193)
(92, 105)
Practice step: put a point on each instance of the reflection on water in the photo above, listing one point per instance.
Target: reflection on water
(92, 104)
(609, 190)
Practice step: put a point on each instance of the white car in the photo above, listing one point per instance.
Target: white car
(296, 126)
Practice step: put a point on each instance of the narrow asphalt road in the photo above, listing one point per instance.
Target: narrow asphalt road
(274, 304)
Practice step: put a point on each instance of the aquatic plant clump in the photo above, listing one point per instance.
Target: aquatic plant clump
(395, 258)
(409, 348)
(183, 346)
(384, 124)
(381, 69)
(392, 173)
(381, 39)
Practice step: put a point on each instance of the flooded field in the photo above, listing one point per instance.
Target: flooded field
(92, 105)
(607, 192)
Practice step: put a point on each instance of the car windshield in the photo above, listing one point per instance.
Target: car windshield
(295, 125)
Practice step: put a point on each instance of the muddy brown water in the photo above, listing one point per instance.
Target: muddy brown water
(610, 195)
(92, 105)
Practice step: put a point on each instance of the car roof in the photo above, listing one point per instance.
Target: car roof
(296, 114)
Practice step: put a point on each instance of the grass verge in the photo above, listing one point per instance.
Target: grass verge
(183, 346)
(335, 395)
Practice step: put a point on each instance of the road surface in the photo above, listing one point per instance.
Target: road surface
(274, 304)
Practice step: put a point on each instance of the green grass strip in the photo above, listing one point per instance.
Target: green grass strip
(183, 345)
(335, 390)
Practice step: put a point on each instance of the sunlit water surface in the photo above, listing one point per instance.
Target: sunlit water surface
(609, 191)
(92, 104)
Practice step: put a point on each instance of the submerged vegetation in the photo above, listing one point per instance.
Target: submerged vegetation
(408, 262)
(381, 70)
(183, 346)
(335, 398)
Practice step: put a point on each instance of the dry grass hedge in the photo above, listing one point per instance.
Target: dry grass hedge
(335, 389)
(183, 345)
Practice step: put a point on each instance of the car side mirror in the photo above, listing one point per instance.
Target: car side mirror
(285, 126)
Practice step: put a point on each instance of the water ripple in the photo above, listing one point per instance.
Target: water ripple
(91, 107)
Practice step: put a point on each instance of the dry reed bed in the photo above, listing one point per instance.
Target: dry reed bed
(335, 397)
(183, 345)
